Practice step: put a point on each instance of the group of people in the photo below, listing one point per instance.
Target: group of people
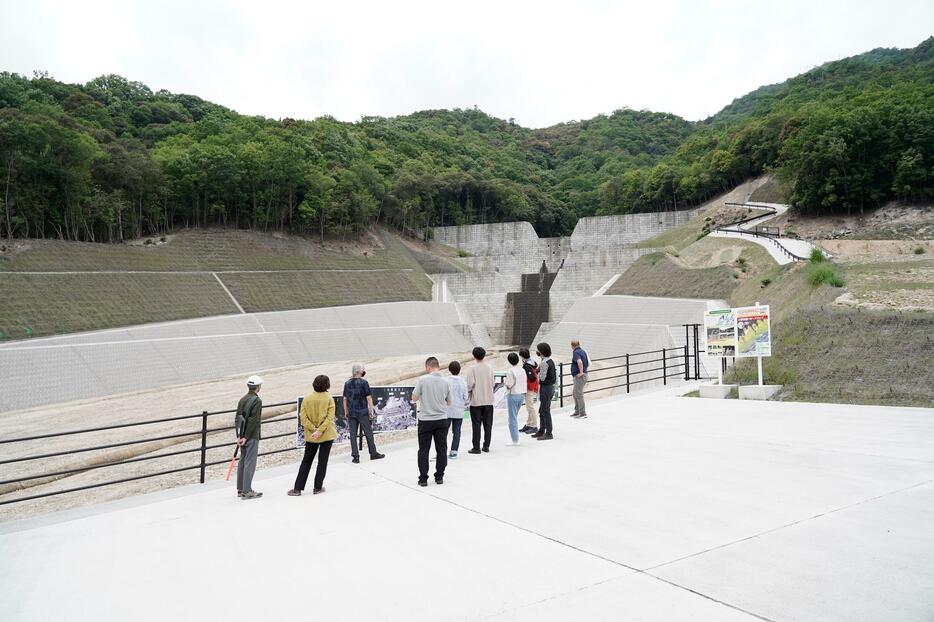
(442, 403)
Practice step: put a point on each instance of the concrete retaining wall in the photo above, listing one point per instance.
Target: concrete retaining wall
(599, 248)
(614, 231)
(108, 362)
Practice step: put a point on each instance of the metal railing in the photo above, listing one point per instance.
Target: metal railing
(181, 437)
(627, 370)
(769, 233)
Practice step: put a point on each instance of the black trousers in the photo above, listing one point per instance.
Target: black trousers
(363, 421)
(436, 431)
(545, 394)
(323, 450)
(481, 415)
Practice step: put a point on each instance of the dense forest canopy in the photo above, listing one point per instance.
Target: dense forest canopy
(112, 159)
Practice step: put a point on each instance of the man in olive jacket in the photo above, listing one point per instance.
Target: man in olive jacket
(248, 423)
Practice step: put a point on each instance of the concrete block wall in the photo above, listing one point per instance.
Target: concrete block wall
(504, 246)
(613, 231)
(482, 295)
(598, 249)
(490, 239)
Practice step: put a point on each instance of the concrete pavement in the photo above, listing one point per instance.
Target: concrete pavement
(655, 508)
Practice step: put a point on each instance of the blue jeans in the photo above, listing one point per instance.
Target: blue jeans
(515, 402)
(456, 432)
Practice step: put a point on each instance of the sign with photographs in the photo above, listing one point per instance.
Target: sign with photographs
(720, 332)
(753, 331)
(394, 411)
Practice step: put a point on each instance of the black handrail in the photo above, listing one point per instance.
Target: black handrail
(672, 362)
(770, 211)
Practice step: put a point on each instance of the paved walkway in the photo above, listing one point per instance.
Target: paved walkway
(654, 508)
(778, 248)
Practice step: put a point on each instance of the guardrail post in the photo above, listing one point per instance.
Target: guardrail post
(697, 335)
(627, 372)
(561, 385)
(204, 443)
(664, 367)
(687, 366)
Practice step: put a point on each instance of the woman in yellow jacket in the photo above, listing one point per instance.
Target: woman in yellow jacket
(317, 417)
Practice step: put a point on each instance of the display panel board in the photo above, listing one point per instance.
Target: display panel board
(720, 332)
(394, 411)
(500, 391)
(753, 331)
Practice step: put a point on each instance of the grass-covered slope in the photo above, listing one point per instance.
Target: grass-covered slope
(55, 287)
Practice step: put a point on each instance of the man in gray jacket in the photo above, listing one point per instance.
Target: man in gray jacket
(433, 394)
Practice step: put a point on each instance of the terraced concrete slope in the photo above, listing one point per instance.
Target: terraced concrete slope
(143, 357)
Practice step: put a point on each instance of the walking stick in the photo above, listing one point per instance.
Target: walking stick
(233, 461)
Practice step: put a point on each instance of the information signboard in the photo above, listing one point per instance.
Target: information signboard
(753, 331)
(720, 332)
(394, 411)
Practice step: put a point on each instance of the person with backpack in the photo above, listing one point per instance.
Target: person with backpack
(530, 366)
(547, 377)
(516, 383)
(247, 424)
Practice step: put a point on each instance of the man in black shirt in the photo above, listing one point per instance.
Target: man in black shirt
(358, 408)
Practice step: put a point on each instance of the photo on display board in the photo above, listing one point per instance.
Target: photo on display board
(500, 391)
(720, 332)
(394, 408)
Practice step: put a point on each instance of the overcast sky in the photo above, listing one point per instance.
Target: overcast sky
(539, 62)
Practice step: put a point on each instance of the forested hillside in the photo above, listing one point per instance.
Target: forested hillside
(112, 159)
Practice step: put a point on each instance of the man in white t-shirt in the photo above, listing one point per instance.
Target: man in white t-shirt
(517, 384)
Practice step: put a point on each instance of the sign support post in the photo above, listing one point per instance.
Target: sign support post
(759, 360)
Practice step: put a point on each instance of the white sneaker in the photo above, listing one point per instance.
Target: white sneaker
(512, 444)
(452, 455)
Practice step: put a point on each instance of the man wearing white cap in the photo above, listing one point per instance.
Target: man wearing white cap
(248, 422)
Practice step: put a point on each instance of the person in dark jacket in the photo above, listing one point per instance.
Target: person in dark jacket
(248, 422)
(358, 408)
(547, 378)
